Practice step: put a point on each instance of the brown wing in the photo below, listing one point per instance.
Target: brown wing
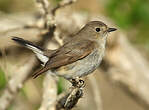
(67, 54)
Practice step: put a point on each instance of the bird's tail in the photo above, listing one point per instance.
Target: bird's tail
(36, 49)
(28, 44)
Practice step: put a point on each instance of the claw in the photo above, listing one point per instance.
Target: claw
(77, 82)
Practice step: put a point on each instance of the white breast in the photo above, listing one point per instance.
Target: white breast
(82, 67)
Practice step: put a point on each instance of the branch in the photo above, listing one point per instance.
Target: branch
(62, 4)
(50, 93)
(69, 100)
(44, 6)
(47, 99)
(16, 82)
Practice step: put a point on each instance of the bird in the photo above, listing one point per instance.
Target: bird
(76, 58)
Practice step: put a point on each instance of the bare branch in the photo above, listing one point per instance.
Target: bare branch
(15, 83)
(47, 97)
(50, 93)
(69, 100)
(62, 4)
(44, 6)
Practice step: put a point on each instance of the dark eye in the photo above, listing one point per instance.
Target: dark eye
(97, 29)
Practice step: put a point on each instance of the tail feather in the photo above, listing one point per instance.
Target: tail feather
(36, 49)
(28, 44)
(40, 71)
(35, 75)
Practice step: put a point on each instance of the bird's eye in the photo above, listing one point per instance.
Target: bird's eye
(97, 29)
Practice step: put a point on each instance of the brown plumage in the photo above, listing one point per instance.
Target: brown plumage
(67, 54)
(78, 57)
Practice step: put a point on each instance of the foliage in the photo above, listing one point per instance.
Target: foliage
(131, 15)
(127, 13)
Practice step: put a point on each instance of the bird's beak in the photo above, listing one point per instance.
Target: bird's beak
(111, 29)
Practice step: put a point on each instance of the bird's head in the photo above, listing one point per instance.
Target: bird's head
(96, 29)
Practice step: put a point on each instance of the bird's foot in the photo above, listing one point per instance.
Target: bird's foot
(77, 82)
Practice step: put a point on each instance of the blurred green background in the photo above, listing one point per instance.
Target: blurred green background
(2, 80)
(132, 16)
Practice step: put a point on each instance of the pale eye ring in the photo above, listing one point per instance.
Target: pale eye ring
(97, 29)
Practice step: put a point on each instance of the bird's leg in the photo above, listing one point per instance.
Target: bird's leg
(77, 82)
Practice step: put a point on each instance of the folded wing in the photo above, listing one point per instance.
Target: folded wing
(68, 53)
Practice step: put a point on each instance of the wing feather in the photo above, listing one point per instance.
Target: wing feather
(67, 54)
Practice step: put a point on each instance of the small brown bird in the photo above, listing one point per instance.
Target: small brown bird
(78, 57)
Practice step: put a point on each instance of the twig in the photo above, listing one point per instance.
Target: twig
(61, 4)
(44, 6)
